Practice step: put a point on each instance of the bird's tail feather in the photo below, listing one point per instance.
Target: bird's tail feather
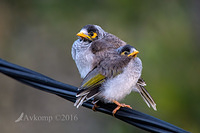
(85, 97)
(80, 101)
(146, 97)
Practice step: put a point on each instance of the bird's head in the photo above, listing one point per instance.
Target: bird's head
(128, 50)
(91, 33)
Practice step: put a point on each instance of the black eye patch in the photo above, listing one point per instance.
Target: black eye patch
(127, 48)
(92, 29)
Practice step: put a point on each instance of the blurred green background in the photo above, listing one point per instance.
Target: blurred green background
(39, 34)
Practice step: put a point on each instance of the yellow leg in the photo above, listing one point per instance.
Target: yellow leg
(119, 105)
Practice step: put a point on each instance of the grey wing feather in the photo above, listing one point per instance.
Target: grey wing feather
(89, 76)
(86, 93)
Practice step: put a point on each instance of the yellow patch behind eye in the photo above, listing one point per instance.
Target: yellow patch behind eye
(124, 53)
(94, 35)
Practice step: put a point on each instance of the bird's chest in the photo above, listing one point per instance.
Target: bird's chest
(84, 61)
(121, 85)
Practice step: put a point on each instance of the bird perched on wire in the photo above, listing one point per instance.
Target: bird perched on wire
(114, 77)
(92, 39)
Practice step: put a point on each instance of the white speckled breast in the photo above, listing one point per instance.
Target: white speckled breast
(120, 86)
(83, 57)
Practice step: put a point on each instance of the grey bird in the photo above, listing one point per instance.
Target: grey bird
(92, 39)
(114, 77)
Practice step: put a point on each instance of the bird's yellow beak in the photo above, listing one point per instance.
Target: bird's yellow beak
(133, 54)
(82, 35)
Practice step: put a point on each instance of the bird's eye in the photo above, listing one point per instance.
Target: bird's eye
(93, 34)
(125, 53)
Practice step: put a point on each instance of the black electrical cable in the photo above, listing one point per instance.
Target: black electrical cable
(68, 92)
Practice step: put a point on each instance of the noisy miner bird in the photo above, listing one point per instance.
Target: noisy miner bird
(92, 38)
(114, 77)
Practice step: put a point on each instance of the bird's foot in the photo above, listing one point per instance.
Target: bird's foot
(119, 105)
(94, 107)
